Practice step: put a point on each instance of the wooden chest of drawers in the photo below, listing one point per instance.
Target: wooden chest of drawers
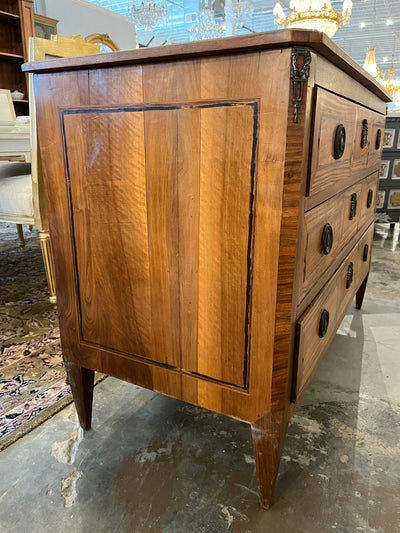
(211, 208)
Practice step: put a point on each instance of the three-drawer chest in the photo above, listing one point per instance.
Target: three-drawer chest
(211, 210)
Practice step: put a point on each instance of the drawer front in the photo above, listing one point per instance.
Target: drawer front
(368, 198)
(318, 324)
(330, 226)
(364, 253)
(368, 142)
(346, 144)
(332, 146)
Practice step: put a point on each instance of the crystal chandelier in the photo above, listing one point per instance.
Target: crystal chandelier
(207, 27)
(238, 12)
(148, 15)
(313, 15)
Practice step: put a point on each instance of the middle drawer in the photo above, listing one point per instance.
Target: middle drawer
(329, 227)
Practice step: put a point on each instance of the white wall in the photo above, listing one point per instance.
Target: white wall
(77, 17)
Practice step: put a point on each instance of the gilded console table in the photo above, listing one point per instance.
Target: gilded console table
(211, 209)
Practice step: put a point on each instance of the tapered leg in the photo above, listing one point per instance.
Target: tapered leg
(47, 253)
(360, 293)
(81, 381)
(21, 235)
(267, 443)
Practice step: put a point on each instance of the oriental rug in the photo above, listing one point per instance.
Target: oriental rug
(33, 383)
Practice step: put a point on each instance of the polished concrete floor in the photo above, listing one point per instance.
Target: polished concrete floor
(152, 463)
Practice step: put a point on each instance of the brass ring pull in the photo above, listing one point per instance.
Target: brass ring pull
(323, 324)
(327, 239)
(340, 141)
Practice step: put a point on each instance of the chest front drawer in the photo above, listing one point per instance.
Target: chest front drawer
(368, 198)
(346, 144)
(330, 226)
(332, 145)
(367, 144)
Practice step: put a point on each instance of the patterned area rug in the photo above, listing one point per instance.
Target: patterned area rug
(32, 379)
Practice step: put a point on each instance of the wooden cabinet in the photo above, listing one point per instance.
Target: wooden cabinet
(16, 26)
(208, 220)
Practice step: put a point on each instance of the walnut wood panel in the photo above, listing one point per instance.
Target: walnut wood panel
(135, 275)
(225, 236)
(327, 174)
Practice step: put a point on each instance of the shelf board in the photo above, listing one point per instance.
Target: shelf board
(11, 57)
(4, 15)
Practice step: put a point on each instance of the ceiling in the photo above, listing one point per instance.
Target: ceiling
(354, 39)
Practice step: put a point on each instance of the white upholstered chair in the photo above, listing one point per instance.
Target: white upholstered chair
(22, 197)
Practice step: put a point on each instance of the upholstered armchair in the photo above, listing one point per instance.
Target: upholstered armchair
(22, 196)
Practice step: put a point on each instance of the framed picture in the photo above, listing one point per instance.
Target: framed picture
(396, 169)
(384, 171)
(388, 138)
(394, 199)
(380, 199)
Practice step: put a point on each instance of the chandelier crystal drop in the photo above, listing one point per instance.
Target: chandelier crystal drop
(313, 15)
(149, 15)
(207, 27)
(238, 12)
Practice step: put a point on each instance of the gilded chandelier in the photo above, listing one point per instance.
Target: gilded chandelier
(313, 15)
(391, 84)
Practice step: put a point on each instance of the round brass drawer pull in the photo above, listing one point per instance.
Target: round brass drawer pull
(350, 274)
(340, 141)
(365, 253)
(323, 324)
(369, 198)
(378, 139)
(327, 239)
(364, 133)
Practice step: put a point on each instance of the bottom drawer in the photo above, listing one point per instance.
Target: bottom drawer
(318, 324)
